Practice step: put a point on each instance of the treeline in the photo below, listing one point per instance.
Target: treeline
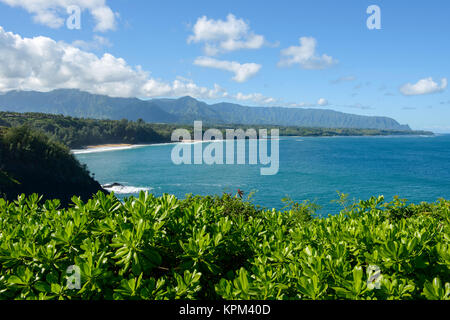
(80, 132)
(77, 133)
(328, 132)
(32, 162)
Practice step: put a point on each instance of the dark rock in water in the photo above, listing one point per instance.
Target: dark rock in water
(112, 185)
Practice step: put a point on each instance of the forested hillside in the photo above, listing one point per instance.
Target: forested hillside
(30, 162)
(78, 133)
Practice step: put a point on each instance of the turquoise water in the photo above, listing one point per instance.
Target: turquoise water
(416, 168)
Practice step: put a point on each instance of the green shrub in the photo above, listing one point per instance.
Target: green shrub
(222, 248)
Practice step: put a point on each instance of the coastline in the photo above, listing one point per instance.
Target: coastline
(126, 146)
(110, 145)
(107, 147)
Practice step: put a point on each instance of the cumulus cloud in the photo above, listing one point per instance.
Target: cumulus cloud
(43, 64)
(53, 13)
(298, 105)
(305, 55)
(97, 43)
(423, 86)
(322, 102)
(256, 97)
(221, 36)
(242, 72)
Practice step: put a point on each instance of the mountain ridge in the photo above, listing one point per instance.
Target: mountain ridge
(184, 110)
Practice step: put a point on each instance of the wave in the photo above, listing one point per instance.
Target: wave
(126, 189)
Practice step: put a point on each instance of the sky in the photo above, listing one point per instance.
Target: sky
(297, 54)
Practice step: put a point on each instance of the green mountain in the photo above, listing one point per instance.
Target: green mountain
(184, 110)
(81, 104)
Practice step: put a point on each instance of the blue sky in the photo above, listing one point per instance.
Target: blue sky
(253, 53)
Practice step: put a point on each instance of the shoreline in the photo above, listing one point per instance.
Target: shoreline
(109, 145)
(126, 146)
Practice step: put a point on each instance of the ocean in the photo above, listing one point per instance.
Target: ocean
(310, 168)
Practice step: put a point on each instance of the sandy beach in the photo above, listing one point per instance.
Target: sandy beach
(106, 147)
(124, 146)
(117, 145)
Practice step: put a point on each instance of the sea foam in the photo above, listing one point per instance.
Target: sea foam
(126, 189)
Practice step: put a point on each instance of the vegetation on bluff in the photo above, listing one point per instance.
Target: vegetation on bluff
(30, 162)
(222, 248)
(77, 133)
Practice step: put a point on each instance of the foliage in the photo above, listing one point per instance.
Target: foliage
(80, 132)
(77, 133)
(221, 248)
(30, 162)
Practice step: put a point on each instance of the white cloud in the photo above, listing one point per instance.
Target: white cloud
(43, 64)
(322, 102)
(256, 97)
(53, 14)
(224, 36)
(423, 86)
(305, 56)
(298, 105)
(242, 72)
(97, 43)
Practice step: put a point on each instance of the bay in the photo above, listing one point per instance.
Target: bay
(310, 168)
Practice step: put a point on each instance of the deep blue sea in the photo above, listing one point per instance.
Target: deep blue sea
(414, 167)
